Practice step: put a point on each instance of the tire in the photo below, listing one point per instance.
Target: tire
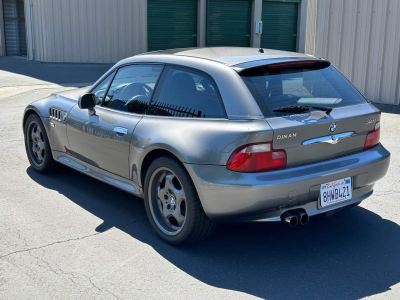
(35, 134)
(187, 222)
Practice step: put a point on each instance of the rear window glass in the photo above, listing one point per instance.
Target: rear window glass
(300, 86)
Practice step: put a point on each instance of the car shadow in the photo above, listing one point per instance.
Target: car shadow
(353, 254)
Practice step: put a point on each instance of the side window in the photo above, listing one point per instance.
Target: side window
(186, 93)
(132, 88)
(101, 89)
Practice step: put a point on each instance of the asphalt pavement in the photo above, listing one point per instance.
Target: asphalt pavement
(68, 236)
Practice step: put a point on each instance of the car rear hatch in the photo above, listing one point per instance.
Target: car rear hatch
(315, 112)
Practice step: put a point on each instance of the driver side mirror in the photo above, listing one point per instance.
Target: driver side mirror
(87, 101)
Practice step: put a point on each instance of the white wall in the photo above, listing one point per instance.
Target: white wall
(362, 39)
(105, 31)
(97, 31)
(311, 26)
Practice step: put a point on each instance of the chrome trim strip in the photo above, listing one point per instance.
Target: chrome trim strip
(330, 139)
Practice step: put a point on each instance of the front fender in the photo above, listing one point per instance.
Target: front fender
(28, 111)
(55, 127)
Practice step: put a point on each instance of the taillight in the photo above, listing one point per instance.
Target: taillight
(373, 136)
(256, 158)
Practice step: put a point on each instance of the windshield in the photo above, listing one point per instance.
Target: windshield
(326, 87)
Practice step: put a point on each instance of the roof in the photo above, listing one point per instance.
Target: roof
(231, 56)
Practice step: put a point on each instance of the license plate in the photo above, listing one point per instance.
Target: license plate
(335, 191)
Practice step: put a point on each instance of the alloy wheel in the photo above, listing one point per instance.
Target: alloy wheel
(36, 144)
(167, 201)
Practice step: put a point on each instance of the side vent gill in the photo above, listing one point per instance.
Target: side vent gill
(56, 114)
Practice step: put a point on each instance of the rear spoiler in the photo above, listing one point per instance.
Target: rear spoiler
(261, 66)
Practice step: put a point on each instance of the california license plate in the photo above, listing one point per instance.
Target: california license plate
(335, 191)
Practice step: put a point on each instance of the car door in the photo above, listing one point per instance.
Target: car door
(103, 139)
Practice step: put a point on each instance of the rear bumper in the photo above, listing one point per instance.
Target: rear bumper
(227, 195)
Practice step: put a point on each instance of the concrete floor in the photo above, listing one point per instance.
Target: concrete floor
(67, 236)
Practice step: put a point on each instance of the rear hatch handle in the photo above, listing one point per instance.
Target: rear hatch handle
(330, 139)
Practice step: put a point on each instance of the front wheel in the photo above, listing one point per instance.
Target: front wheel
(172, 204)
(37, 145)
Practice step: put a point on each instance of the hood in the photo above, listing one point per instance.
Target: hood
(62, 101)
(74, 93)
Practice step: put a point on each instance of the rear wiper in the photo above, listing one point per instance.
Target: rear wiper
(301, 108)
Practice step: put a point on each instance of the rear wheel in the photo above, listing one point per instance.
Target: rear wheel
(172, 204)
(37, 145)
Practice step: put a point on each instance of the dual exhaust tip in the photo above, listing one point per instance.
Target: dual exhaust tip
(295, 217)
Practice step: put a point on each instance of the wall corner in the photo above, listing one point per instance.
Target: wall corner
(256, 15)
(302, 26)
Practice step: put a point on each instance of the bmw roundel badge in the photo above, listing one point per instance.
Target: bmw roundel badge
(333, 127)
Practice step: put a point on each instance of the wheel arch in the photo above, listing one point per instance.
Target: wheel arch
(151, 156)
(29, 111)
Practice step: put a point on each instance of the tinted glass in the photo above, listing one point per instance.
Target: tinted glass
(132, 88)
(101, 89)
(186, 93)
(308, 87)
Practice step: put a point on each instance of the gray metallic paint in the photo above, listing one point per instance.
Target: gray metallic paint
(228, 194)
(195, 141)
(89, 143)
(94, 138)
(100, 174)
(316, 124)
(232, 56)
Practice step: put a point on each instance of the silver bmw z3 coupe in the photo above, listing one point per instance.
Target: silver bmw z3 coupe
(206, 135)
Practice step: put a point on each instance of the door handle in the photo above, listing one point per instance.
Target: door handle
(120, 131)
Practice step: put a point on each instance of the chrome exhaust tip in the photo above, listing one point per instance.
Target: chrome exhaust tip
(290, 219)
(302, 216)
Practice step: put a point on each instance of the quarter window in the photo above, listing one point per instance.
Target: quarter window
(132, 88)
(186, 93)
